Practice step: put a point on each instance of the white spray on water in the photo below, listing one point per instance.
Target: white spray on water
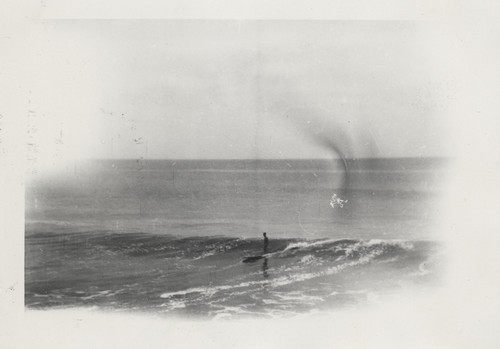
(337, 201)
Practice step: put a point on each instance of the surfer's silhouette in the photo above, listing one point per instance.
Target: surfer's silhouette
(266, 242)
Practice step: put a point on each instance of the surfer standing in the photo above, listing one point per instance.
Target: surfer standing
(266, 242)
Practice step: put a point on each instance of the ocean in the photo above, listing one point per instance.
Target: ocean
(169, 237)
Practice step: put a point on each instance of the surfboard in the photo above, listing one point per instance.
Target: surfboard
(251, 259)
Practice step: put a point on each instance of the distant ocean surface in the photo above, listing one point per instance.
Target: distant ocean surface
(169, 236)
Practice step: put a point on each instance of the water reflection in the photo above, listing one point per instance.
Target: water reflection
(264, 268)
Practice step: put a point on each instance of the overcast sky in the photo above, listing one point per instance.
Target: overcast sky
(235, 89)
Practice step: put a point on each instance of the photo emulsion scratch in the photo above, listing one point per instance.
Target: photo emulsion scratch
(233, 169)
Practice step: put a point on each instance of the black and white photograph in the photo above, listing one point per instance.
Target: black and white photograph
(253, 182)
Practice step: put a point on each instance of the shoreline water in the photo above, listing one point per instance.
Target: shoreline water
(390, 323)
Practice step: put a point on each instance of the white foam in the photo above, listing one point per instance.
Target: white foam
(303, 244)
(308, 259)
(277, 282)
(177, 304)
(99, 294)
(299, 297)
(202, 290)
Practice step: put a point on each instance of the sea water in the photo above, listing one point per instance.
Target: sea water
(169, 237)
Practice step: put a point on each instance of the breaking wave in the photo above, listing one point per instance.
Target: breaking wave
(206, 275)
